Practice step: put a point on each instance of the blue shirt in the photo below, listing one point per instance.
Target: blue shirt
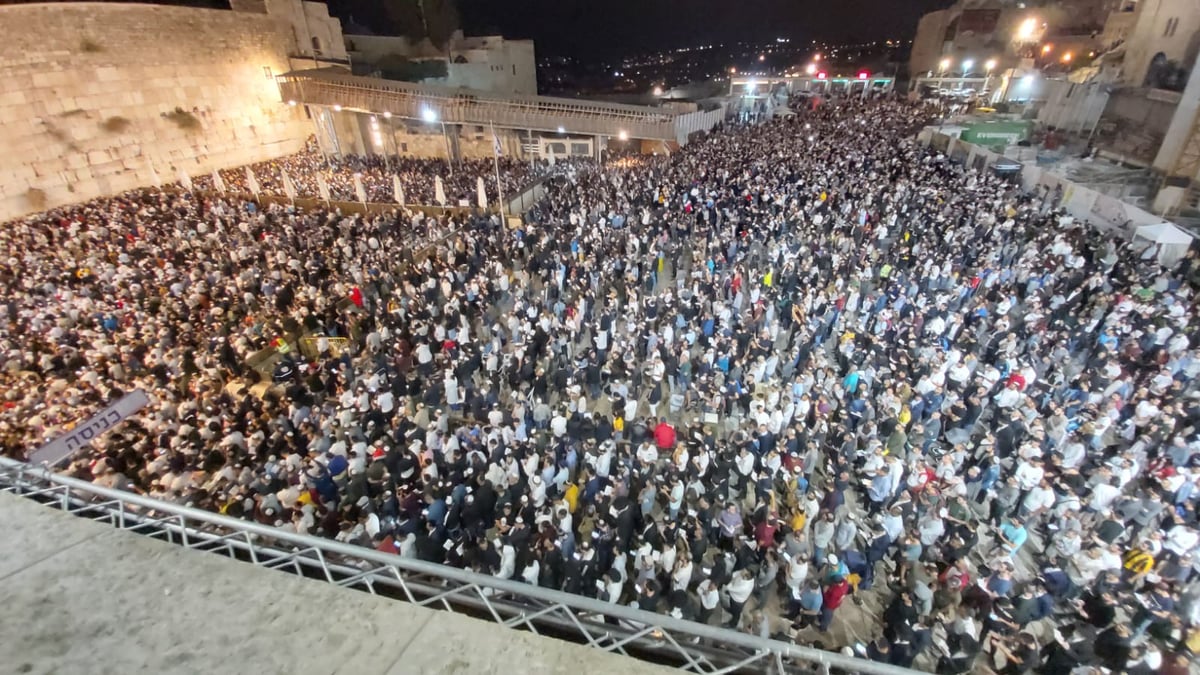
(811, 600)
(999, 586)
(1017, 535)
(850, 382)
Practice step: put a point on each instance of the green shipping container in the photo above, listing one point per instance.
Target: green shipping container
(992, 134)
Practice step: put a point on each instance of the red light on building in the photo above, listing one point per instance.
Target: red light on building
(821, 76)
(862, 75)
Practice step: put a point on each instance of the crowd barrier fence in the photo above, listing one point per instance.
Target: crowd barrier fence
(658, 638)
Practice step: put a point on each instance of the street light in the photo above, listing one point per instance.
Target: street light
(387, 115)
(623, 135)
(1026, 30)
(658, 91)
(429, 115)
(810, 68)
(989, 66)
(944, 65)
(1066, 58)
(967, 65)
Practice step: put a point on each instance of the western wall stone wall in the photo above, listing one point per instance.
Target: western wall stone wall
(92, 96)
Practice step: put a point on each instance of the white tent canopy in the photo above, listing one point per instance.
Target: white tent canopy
(1173, 243)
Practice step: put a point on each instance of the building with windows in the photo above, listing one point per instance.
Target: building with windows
(1118, 75)
(489, 63)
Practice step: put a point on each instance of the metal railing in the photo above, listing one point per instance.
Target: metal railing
(691, 646)
(463, 106)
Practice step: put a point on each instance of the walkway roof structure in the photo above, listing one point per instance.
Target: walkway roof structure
(334, 88)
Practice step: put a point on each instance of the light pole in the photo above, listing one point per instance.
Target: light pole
(988, 67)
(430, 116)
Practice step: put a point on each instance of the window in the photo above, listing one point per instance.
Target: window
(1172, 25)
(514, 69)
(316, 44)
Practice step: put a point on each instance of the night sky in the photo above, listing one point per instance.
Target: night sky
(591, 29)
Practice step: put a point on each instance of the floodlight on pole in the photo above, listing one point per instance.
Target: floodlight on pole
(623, 135)
(811, 69)
(990, 65)
(429, 115)
(1027, 29)
(944, 65)
(387, 115)
(968, 65)
(561, 130)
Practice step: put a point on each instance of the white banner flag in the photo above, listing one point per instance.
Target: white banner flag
(397, 190)
(82, 434)
(218, 182)
(496, 143)
(439, 191)
(288, 188)
(185, 180)
(252, 182)
(359, 190)
(481, 193)
(154, 179)
(323, 187)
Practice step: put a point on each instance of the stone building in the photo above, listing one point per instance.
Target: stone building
(96, 98)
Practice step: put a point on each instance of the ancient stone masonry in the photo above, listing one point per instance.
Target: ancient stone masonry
(92, 96)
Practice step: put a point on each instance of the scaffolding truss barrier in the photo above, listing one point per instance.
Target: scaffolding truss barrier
(658, 638)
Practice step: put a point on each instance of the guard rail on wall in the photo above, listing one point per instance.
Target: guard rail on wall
(467, 106)
(690, 646)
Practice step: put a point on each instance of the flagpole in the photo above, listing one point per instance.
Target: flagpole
(496, 163)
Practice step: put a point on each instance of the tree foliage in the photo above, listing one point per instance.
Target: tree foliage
(419, 19)
(441, 20)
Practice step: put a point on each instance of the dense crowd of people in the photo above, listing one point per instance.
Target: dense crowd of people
(793, 367)
(418, 176)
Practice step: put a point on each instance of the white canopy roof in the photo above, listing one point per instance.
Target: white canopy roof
(1164, 233)
(1173, 243)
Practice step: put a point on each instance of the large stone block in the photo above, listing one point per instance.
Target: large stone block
(144, 61)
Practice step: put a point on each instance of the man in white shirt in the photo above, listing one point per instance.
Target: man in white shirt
(1102, 496)
(647, 454)
(1029, 473)
(1181, 539)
